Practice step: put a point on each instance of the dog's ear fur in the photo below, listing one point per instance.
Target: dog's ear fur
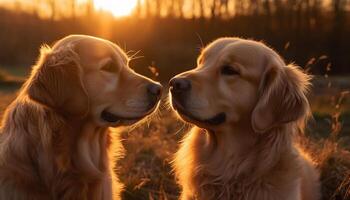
(56, 82)
(282, 96)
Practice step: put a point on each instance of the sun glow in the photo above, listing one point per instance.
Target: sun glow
(118, 8)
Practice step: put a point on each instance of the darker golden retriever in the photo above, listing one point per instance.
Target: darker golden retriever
(247, 105)
(55, 142)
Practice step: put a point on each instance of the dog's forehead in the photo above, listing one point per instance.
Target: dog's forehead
(213, 49)
(99, 49)
(246, 52)
(92, 49)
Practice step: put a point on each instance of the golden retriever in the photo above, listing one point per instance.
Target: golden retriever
(54, 141)
(247, 104)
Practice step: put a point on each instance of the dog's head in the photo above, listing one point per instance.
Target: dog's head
(240, 82)
(88, 77)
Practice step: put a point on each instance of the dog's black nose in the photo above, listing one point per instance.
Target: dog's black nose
(180, 84)
(154, 89)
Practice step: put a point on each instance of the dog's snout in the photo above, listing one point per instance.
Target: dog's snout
(154, 89)
(180, 84)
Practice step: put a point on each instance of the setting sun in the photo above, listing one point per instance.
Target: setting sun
(118, 8)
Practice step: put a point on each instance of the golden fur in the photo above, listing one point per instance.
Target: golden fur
(249, 152)
(53, 142)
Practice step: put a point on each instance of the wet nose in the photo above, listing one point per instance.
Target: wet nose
(180, 84)
(154, 89)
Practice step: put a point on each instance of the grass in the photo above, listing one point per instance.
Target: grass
(146, 172)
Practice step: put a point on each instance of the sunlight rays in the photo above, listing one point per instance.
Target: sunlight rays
(119, 8)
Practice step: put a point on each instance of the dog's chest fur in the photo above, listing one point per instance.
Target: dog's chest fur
(43, 157)
(206, 175)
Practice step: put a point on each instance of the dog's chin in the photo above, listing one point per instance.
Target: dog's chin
(113, 120)
(187, 116)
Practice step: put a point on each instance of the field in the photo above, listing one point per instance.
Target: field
(146, 170)
(165, 36)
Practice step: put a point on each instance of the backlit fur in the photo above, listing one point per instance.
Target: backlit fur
(53, 142)
(252, 155)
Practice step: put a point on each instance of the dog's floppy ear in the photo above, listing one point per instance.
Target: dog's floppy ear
(56, 82)
(282, 96)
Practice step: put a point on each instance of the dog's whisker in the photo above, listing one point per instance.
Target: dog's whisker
(201, 41)
(134, 55)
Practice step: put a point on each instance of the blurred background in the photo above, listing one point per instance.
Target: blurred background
(166, 36)
(170, 33)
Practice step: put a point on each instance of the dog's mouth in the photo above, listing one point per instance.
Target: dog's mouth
(214, 121)
(115, 119)
(112, 118)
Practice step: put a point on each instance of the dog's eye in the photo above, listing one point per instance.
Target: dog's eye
(229, 70)
(109, 67)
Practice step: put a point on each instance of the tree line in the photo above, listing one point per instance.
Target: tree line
(192, 8)
(169, 31)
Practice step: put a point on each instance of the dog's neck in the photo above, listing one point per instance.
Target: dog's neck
(238, 149)
(232, 140)
(54, 145)
(90, 150)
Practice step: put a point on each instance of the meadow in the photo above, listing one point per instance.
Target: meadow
(165, 36)
(146, 168)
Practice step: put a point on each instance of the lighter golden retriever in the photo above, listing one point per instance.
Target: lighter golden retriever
(55, 142)
(247, 104)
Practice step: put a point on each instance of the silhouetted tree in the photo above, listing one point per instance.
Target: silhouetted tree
(201, 8)
(175, 8)
(213, 9)
(197, 8)
(279, 7)
(239, 7)
(158, 7)
(52, 6)
(193, 8)
(266, 7)
(179, 7)
(254, 7)
(338, 6)
(138, 8)
(224, 4)
(89, 8)
(73, 8)
(147, 8)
